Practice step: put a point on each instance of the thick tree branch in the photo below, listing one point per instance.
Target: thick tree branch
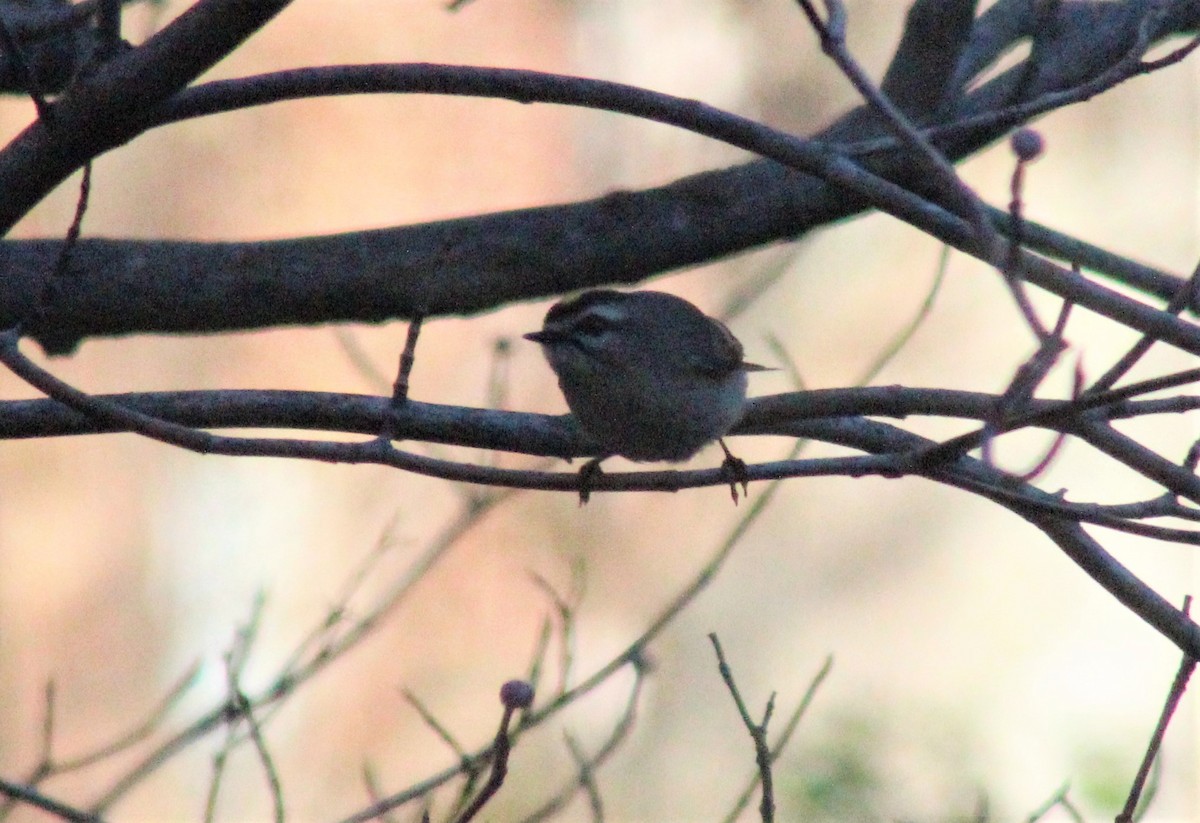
(110, 106)
(1077, 544)
(921, 75)
(522, 432)
(170, 417)
(119, 287)
(490, 260)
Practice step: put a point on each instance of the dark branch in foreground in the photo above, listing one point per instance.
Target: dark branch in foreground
(1178, 687)
(891, 452)
(34, 798)
(491, 260)
(758, 732)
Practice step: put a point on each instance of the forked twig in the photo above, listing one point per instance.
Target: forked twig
(1178, 686)
(785, 737)
(515, 695)
(1186, 297)
(586, 767)
(1058, 800)
(758, 733)
(31, 796)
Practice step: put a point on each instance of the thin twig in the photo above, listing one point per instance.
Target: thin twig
(906, 334)
(587, 778)
(45, 763)
(56, 280)
(360, 360)
(501, 748)
(1186, 297)
(832, 34)
(300, 668)
(587, 767)
(1011, 269)
(240, 708)
(758, 733)
(1016, 397)
(371, 783)
(142, 730)
(633, 655)
(271, 774)
(437, 726)
(541, 648)
(1058, 800)
(32, 797)
(217, 778)
(789, 729)
(1178, 686)
(408, 358)
(564, 609)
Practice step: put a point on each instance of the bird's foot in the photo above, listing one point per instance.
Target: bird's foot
(734, 469)
(587, 476)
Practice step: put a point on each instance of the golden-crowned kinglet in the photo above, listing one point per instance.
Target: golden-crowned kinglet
(647, 375)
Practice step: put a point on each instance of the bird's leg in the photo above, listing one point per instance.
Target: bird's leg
(587, 476)
(734, 469)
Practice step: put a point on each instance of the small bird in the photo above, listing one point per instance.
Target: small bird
(648, 376)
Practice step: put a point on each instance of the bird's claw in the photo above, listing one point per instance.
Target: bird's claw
(734, 469)
(587, 476)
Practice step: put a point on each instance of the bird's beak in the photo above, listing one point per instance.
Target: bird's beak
(542, 336)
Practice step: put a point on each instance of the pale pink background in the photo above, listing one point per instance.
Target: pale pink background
(971, 657)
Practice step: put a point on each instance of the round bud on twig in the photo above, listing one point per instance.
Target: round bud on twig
(516, 694)
(1027, 144)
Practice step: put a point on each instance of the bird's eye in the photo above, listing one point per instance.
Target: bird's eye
(591, 326)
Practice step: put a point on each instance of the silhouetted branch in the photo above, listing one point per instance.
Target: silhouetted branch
(789, 728)
(373, 276)
(758, 733)
(109, 106)
(32, 797)
(1178, 687)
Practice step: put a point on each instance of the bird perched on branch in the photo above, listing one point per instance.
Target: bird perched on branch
(648, 376)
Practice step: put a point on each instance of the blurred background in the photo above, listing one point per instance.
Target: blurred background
(976, 671)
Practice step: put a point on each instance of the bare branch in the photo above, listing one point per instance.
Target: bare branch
(789, 728)
(307, 279)
(110, 105)
(47, 804)
(758, 733)
(1178, 687)
(919, 78)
